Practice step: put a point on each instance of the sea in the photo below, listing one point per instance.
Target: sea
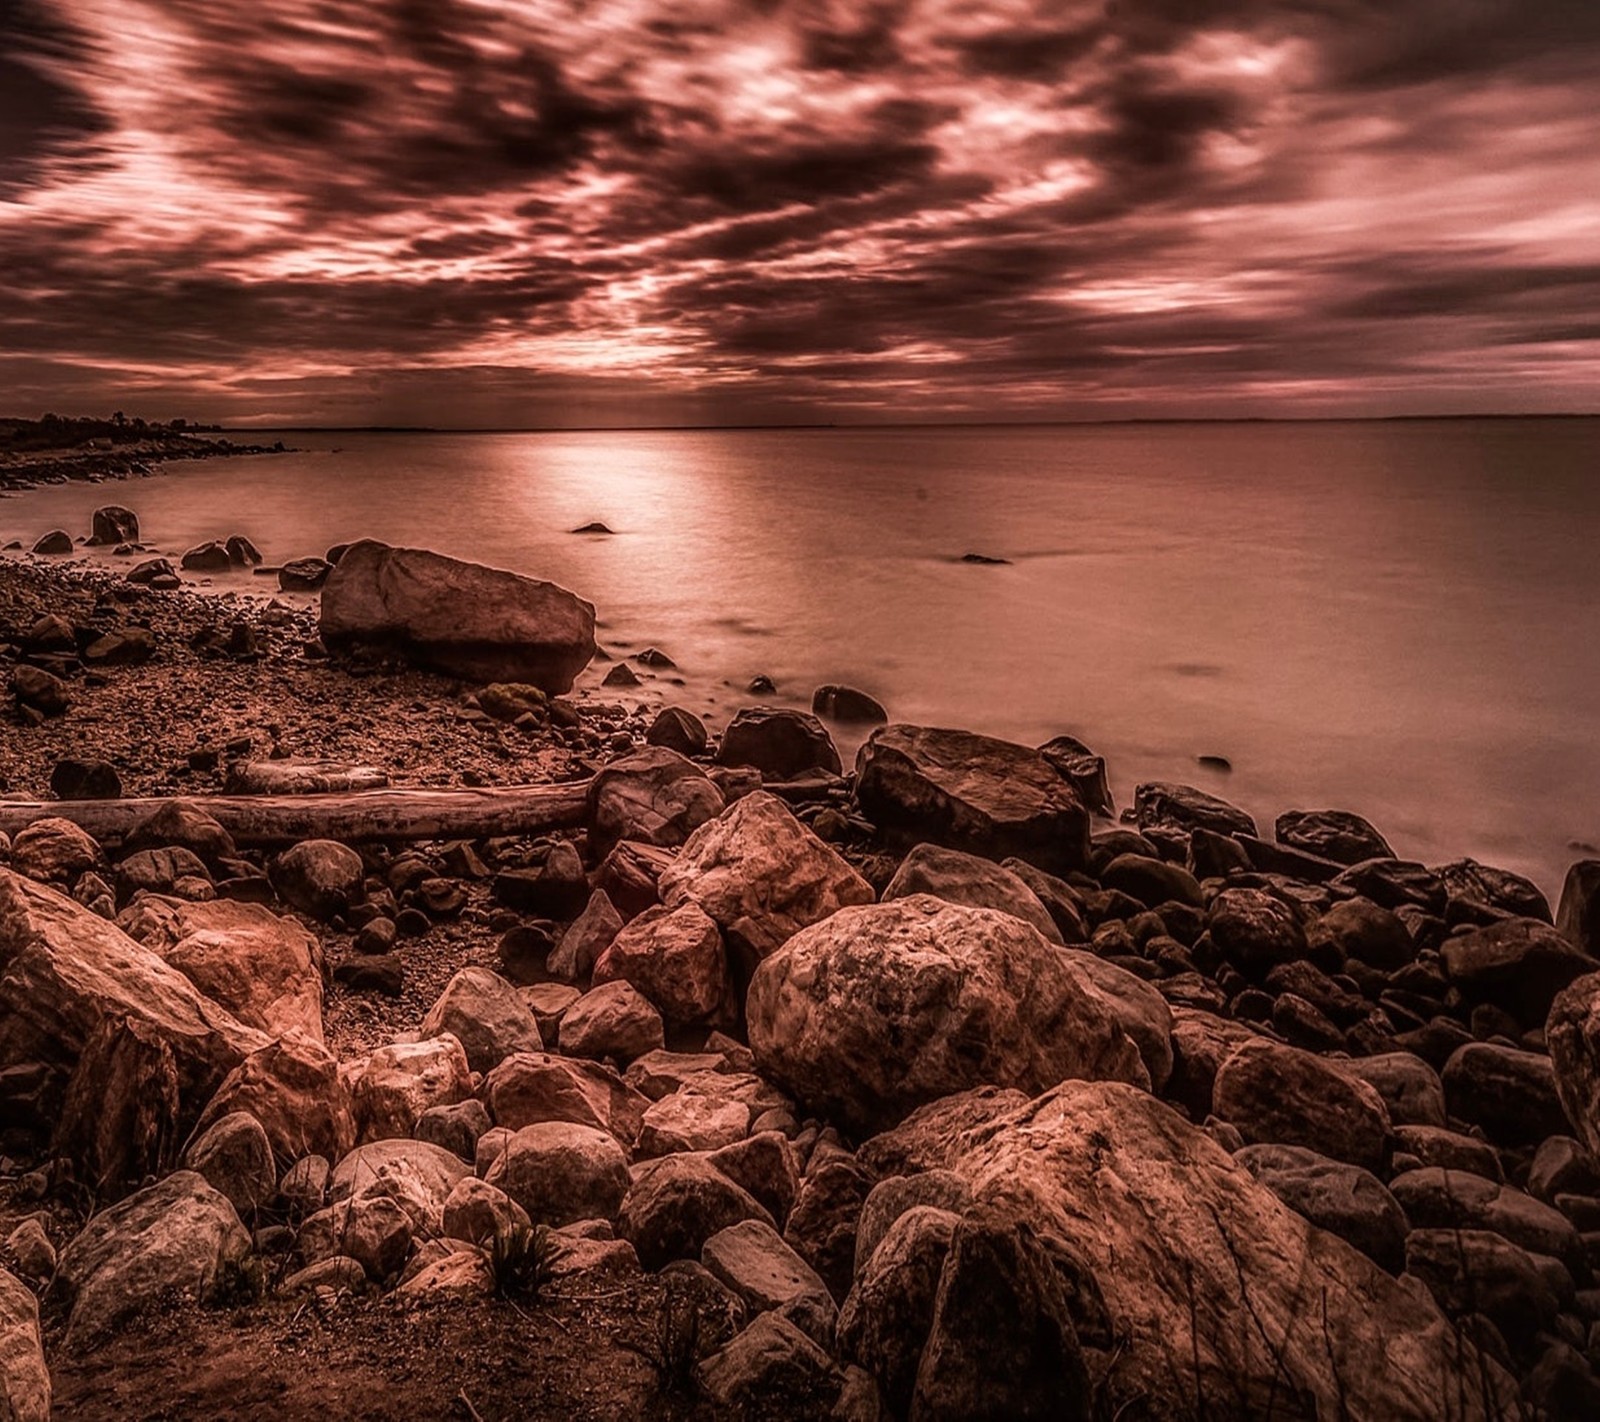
(1400, 618)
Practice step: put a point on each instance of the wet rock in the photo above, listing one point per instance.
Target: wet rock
(1480, 891)
(1396, 884)
(959, 878)
(242, 553)
(559, 1172)
(1578, 916)
(209, 557)
(678, 730)
(1182, 807)
(178, 1234)
(484, 1013)
(621, 676)
(653, 796)
(1255, 931)
(112, 524)
(974, 793)
(1061, 901)
(761, 876)
(1331, 834)
(676, 959)
(1152, 881)
(876, 1010)
(613, 1020)
(303, 574)
(319, 877)
(1083, 770)
(54, 543)
(1518, 964)
(846, 704)
(149, 569)
(1279, 1095)
(458, 618)
(780, 743)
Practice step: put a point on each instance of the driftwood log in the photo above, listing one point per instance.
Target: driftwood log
(270, 821)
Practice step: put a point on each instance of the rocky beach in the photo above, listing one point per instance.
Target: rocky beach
(387, 1030)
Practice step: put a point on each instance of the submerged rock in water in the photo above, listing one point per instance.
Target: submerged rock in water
(463, 619)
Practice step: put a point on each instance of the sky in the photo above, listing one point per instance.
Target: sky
(519, 213)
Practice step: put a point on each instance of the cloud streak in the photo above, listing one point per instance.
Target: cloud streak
(480, 211)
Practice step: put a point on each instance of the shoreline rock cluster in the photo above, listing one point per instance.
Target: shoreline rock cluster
(925, 1089)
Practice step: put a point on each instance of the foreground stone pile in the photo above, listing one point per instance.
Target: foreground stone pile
(956, 1105)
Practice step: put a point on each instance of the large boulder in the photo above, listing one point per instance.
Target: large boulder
(1518, 964)
(294, 1089)
(111, 524)
(1332, 834)
(559, 1172)
(986, 796)
(537, 1086)
(487, 1015)
(1573, 1035)
(878, 1009)
(761, 875)
(263, 967)
(960, 878)
(1255, 931)
(482, 624)
(179, 1234)
(780, 743)
(1578, 916)
(402, 1080)
(24, 1377)
(65, 972)
(1218, 1296)
(676, 959)
(654, 796)
(1279, 1095)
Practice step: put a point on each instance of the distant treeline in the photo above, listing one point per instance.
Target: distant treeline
(69, 432)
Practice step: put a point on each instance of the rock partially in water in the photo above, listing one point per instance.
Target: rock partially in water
(112, 524)
(208, 557)
(782, 744)
(55, 543)
(1163, 805)
(1578, 918)
(845, 703)
(1331, 834)
(463, 619)
(677, 729)
(302, 574)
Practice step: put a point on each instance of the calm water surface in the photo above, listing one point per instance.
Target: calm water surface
(1397, 619)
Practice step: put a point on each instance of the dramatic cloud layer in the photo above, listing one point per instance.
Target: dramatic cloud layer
(611, 211)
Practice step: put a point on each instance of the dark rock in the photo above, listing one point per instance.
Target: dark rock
(57, 541)
(771, 1372)
(242, 553)
(845, 703)
(1331, 834)
(524, 952)
(1083, 770)
(1433, 1145)
(1396, 883)
(1060, 899)
(304, 574)
(1255, 931)
(970, 792)
(1152, 881)
(655, 658)
(653, 796)
(1510, 1093)
(1280, 859)
(1343, 1199)
(762, 686)
(381, 973)
(629, 875)
(1493, 891)
(1475, 1271)
(822, 1224)
(780, 743)
(1410, 1088)
(959, 878)
(150, 569)
(458, 618)
(621, 675)
(675, 1204)
(595, 527)
(74, 779)
(985, 560)
(40, 690)
(1436, 1198)
(678, 730)
(111, 525)
(211, 557)
(1578, 917)
(1517, 964)
(319, 876)
(1182, 807)
(1360, 929)
(1002, 1341)
(1573, 1035)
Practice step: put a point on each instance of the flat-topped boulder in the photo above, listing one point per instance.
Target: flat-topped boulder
(1333, 834)
(1163, 805)
(985, 796)
(459, 618)
(880, 1009)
